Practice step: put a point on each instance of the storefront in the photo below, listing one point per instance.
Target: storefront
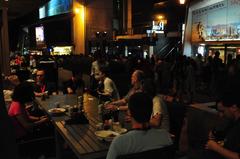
(213, 25)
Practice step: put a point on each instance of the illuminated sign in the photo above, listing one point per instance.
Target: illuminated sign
(62, 50)
(55, 7)
(217, 22)
(157, 27)
(39, 35)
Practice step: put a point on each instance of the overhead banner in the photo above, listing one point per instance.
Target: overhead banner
(217, 22)
(55, 7)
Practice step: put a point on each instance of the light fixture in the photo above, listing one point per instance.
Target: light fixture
(182, 1)
(77, 10)
(160, 17)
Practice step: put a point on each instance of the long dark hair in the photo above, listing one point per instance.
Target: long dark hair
(23, 93)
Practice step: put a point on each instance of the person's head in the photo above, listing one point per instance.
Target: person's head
(14, 79)
(229, 106)
(104, 71)
(217, 54)
(140, 106)
(137, 77)
(31, 57)
(149, 87)
(40, 76)
(23, 93)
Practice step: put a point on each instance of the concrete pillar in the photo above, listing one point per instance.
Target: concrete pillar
(79, 27)
(4, 54)
(7, 137)
(129, 17)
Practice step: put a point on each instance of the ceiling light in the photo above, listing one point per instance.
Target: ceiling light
(182, 1)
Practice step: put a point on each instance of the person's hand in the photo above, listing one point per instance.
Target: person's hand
(127, 118)
(156, 116)
(110, 107)
(155, 120)
(44, 119)
(212, 145)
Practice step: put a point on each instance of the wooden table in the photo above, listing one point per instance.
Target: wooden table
(80, 137)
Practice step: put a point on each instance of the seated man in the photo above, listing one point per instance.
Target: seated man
(74, 84)
(137, 79)
(229, 147)
(42, 86)
(142, 137)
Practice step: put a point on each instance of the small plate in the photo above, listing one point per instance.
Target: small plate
(30, 80)
(57, 111)
(106, 135)
(121, 131)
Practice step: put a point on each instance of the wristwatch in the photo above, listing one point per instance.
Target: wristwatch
(118, 108)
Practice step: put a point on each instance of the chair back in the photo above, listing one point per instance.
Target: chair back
(167, 152)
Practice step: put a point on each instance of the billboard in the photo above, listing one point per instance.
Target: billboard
(39, 35)
(55, 7)
(217, 22)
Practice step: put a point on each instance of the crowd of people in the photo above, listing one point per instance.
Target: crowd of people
(143, 105)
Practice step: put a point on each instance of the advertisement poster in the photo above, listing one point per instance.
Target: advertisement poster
(217, 22)
(39, 35)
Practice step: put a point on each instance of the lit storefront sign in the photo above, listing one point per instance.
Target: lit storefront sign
(157, 27)
(62, 50)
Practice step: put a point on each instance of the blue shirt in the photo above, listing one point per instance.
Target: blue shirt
(138, 141)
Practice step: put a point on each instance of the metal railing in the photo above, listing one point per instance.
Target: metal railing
(168, 48)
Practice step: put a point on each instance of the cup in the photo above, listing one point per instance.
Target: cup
(116, 126)
(107, 124)
(57, 105)
(75, 109)
(70, 110)
(99, 126)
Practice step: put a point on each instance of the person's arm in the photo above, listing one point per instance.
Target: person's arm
(25, 122)
(37, 94)
(155, 120)
(108, 87)
(120, 102)
(35, 118)
(29, 125)
(104, 93)
(157, 111)
(214, 146)
(118, 105)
